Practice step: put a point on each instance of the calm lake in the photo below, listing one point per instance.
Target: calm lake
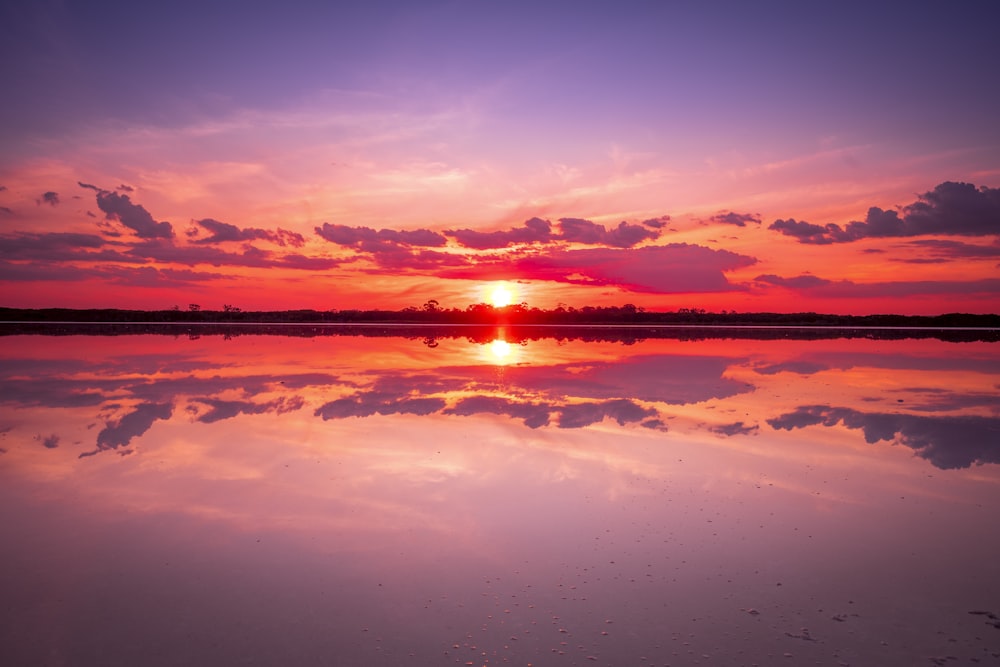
(498, 499)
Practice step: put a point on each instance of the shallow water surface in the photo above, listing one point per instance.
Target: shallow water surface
(348, 500)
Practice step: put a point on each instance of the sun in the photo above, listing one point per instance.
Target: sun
(501, 350)
(501, 294)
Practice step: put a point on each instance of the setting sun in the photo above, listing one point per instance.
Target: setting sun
(501, 295)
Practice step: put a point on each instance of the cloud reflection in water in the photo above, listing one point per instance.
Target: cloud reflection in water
(379, 501)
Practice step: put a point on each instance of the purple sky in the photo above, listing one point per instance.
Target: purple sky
(476, 115)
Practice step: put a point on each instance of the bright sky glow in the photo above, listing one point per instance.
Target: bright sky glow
(719, 155)
(501, 295)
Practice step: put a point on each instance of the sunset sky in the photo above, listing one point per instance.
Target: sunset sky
(723, 155)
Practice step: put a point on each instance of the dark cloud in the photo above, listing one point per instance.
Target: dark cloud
(532, 414)
(953, 209)
(220, 409)
(367, 239)
(6, 211)
(948, 249)
(366, 404)
(35, 271)
(135, 217)
(622, 410)
(148, 276)
(49, 441)
(736, 428)
(976, 363)
(50, 198)
(801, 367)
(672, 379)
(572, 230)
(738, 219)
(657, 223)
(132, 425)
(807, 232)
(534, 230)
(399, 257)
(821, 287)
(673, 268)
(804, 281)
(948, 442)
(221, 232)
(50, 246)
(125, 188)
(625, 235)
(934, 399)
(655, 424)
(168, 252)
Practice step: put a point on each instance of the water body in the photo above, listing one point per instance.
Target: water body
(391, 500)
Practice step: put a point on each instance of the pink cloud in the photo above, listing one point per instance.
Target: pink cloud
(673, 268)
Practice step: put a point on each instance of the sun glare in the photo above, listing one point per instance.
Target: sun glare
(501, 350)
(501, 295)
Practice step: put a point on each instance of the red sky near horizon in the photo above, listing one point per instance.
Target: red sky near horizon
(303, 155)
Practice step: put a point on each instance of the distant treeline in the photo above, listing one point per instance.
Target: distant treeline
(432, 335)
(484, 314)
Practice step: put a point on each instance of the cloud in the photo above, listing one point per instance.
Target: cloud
(738, 219)
(572, 230)
(953, 209)
(223, 231)
(220, 409)
(532, 414)
(948, 442)
(148, 276)
(821, 287)
(625, 235)
(807, 232)
(50, 198)
(367, 239)
(132, 425)
(622, 410)
(135, 217)
(801, 367)
(673, 268)
(671, 379)
(43, 382)
(367, 404)
(534, 230)
(49, 442)
(657, 223)
(6, 211)
(398, 257)
(49, 246)
(948, 249)
(805, 281)
(167, 251)
(736, 428)
(41, 271)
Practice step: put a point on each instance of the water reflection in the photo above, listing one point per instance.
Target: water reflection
(383, 501)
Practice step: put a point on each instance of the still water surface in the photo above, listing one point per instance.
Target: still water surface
(347, 500)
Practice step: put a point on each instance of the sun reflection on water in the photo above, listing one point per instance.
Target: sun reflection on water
(501, 352)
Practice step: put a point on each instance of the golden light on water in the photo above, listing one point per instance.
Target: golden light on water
(501, 351)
